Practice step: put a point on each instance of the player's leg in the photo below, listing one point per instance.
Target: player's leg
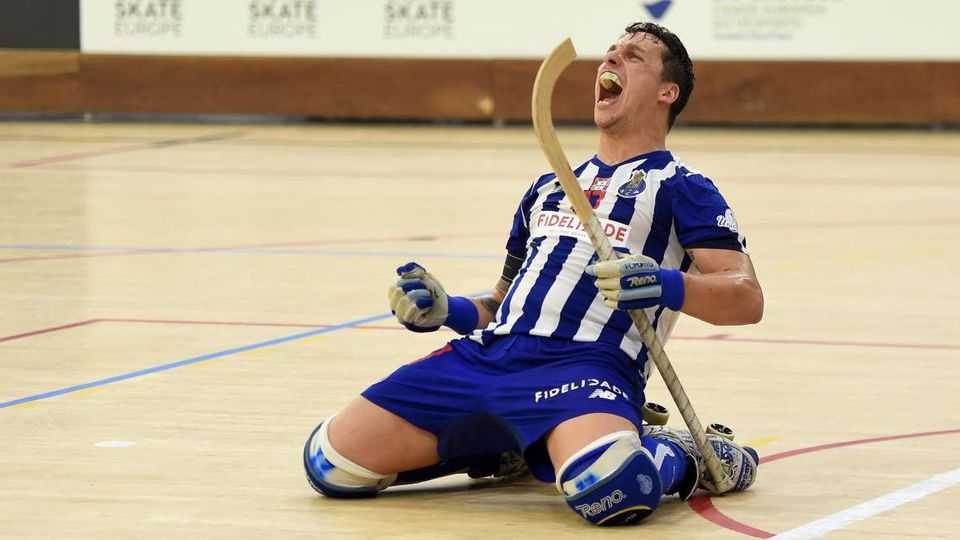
(380, 440)
(604, 471)
(414, 455)
(400, 431)
(359, 451)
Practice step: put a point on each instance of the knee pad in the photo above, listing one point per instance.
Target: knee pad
(612, 481)
(336, 476)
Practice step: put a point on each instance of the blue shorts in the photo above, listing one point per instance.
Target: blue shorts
(508, 394)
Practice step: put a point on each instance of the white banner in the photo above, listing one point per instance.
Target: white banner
(711, 29)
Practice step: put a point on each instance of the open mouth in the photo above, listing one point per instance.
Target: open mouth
(610, 87)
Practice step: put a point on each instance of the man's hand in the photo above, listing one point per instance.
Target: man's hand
(637, 282)
(418, 300)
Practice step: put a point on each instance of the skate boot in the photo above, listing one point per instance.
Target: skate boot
(508, 464)
(738, 462)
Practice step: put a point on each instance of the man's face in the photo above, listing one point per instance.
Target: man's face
(636, 87)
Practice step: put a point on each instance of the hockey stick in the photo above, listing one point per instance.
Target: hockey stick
(550, 71)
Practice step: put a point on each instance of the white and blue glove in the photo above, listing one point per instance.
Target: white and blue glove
(420, 303)
(637, 282)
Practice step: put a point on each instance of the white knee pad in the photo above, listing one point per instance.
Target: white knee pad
(620, 486)
(333, 475)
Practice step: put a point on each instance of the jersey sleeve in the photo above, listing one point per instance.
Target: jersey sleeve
(520, 230)
(702, 217)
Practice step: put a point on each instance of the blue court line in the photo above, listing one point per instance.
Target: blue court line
(256, 251)
(194, 360)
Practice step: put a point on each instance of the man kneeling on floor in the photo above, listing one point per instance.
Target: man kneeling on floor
(552, 367)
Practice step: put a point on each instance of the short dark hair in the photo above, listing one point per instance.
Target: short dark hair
(677, 66)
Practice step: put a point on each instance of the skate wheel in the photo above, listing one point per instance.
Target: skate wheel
(721, 431)
(655, 414)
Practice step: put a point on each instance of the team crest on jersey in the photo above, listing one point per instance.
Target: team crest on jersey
(597, 191)
(635, 185)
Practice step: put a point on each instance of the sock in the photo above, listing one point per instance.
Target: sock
(670, 461)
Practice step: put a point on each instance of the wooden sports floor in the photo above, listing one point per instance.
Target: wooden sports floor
(182, 304)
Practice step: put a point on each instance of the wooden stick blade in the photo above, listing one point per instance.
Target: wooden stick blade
(553, 65)
(550, 70)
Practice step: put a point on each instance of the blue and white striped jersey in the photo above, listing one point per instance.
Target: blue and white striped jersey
(651, 204)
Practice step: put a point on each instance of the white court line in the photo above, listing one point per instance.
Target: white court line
(833, 522)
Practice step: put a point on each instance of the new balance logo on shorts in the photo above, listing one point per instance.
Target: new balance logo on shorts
(605, 390)
(605, 394)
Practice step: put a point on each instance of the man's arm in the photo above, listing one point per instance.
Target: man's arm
(488, 305)
(726, 292)
(420, 303)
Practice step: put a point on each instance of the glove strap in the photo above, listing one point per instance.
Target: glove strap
(462, 315)
(671, 289)
(419, 329)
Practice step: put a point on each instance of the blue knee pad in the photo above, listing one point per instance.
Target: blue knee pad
(335, 476)
(612, 481)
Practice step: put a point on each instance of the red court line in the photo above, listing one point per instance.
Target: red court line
(423, 238)
(717, 337)
(492, 145)
(704, 505)
(81, 155)
(297, 173)
(69, 256)
(784, 181)
(264, 245)
(853, 224)
(154, 144)
(51, 329)
(824, 342)
(242, 323)
(373, 240)
(459, 175)
(174, 321)
(810, 450)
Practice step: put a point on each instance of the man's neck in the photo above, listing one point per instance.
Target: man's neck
(616, 147)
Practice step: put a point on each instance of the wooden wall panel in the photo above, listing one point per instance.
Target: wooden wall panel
(813, 92)
(39, 81)
(867, 93)
(947, 91)
(766, 92)
(335, 88)
(513, 85)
